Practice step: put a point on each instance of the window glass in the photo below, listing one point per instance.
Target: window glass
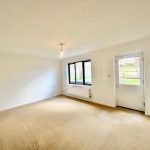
(72, 73)
(129, 71)
(79, 72)
(87, 67)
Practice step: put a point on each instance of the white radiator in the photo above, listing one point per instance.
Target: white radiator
(79, 91)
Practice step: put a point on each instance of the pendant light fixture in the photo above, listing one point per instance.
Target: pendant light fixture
(61, 49)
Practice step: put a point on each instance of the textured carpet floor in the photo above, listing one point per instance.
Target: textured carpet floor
(65, 124)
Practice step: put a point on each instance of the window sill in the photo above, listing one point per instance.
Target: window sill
(79, 85)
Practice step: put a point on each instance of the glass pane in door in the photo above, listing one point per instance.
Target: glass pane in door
(129, 71)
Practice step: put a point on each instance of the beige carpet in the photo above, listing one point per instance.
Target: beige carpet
(65, 124)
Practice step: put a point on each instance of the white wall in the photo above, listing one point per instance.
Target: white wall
(103, 87)
(26, 79)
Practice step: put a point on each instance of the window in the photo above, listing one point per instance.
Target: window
(129, 71)
(87, 67)
(80, 72)
(72, 73)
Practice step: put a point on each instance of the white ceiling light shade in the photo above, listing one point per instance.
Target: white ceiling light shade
(61, 50)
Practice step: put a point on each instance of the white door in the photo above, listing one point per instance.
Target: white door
(130, 81)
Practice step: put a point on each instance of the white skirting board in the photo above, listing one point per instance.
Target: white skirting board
(25, 104)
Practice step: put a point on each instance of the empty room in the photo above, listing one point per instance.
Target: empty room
(74, 74)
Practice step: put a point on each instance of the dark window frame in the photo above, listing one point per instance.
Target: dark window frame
(83, 69)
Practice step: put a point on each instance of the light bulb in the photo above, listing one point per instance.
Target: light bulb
(62, 53)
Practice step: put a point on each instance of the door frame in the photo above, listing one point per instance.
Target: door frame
(130, 54)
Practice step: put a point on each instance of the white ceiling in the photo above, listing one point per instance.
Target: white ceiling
(36, 27)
